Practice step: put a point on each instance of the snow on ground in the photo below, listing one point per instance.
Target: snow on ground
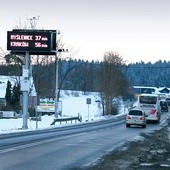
(72, 104)
(75, 103)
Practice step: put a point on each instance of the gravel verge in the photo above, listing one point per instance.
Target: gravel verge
(149, 152)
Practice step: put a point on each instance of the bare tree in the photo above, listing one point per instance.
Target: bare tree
(112, 80)
(2, 54)
(14, 59)
(69, 67)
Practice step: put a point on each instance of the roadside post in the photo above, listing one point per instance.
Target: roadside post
(88, 102)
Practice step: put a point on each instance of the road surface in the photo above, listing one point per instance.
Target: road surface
(71, 147)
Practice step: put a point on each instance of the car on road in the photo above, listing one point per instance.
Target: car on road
(164, 106)
(136, 117)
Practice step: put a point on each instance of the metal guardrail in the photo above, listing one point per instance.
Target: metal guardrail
(66, 119)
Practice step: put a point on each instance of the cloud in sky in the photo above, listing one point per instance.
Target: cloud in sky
(138, 30)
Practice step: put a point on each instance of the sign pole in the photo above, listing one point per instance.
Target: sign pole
(25, 95)
(31, 42)
(88, 102)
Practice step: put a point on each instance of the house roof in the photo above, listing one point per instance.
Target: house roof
(157, 89)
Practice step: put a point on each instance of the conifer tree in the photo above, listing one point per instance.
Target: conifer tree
(15, 96)
(8, 95)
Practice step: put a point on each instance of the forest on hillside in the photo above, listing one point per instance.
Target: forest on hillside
(149, 74)
(84, 75)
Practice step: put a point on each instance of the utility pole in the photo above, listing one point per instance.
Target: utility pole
(56, 85)
(26, 81)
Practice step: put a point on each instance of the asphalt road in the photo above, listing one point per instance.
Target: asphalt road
(74, 149)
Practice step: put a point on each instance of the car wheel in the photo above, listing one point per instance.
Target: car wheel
(144, 126)
(158, 121)
(127, 125)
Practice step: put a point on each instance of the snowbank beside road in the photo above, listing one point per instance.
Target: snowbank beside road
(73, 103)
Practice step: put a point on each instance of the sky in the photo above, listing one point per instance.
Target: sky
(138, 30)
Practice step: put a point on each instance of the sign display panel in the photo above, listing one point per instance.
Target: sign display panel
(33, 41)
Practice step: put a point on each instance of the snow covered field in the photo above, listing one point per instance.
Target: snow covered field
(72, 104)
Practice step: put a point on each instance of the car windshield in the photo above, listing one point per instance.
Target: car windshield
(135, 112)
(148, 99)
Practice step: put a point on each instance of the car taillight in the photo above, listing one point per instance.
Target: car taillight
(157, 114)
(128, 117)
(142, 118)
(152, 111)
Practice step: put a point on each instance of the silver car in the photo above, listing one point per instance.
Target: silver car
(136, 117)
